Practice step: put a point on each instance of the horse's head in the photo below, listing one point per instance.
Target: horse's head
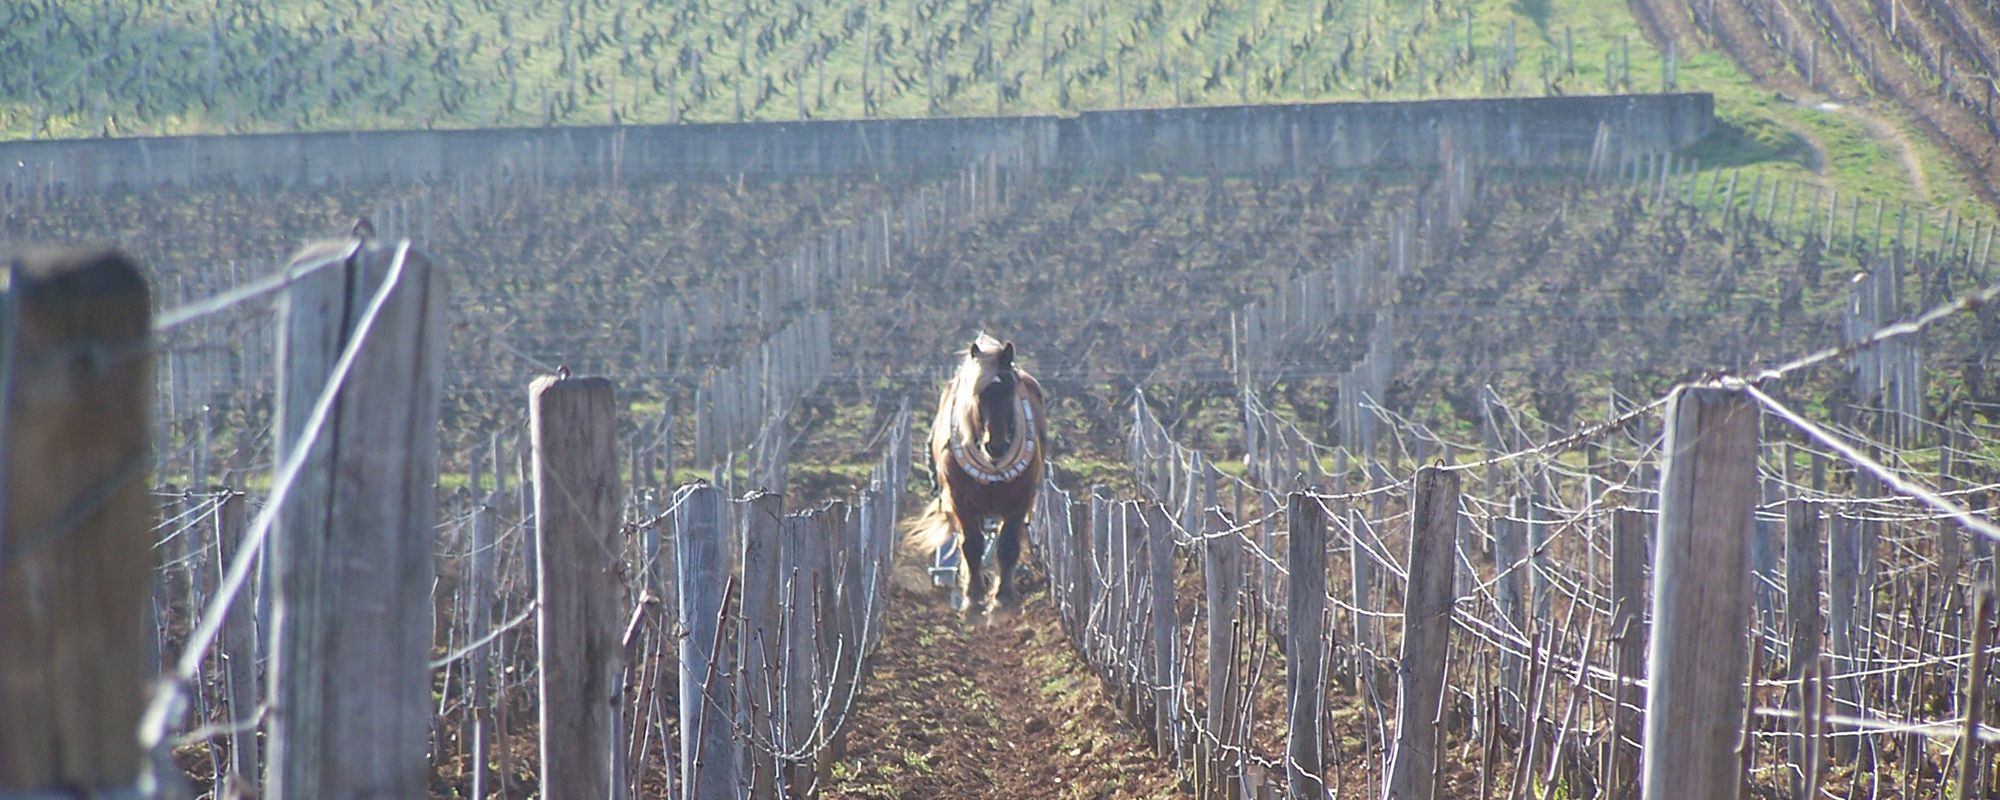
(989, 366)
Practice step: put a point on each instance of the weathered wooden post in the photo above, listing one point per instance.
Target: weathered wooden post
(1081, 582)
(1802, 571)
(1361, 577)
(1129, 565)
(1099, 574)
(846, 621)
(1426, 634)
(1222, 575)
(1541, 563)
(876, 522)
(1138, 649)
(762, 649)
(1843, 572)
(1628, 641)
(577, 517)
(1166, 690)
(1694, 709)
(351, 553)
(480, 572)
(239, 640)
(1510, 560)
(805, 564)
(76, 379)
(1305, 683)
(709, 758)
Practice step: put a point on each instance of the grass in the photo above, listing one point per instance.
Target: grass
(367, 64)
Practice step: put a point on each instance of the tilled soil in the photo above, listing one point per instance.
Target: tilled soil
(1003, 710)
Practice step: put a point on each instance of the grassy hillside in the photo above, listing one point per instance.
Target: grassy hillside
(133, 67)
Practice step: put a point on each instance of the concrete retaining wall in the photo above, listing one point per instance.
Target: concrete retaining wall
(1522, 131)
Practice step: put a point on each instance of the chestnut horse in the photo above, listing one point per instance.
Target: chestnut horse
(986, 455)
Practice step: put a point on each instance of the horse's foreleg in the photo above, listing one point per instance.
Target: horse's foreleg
(1012, 531)
(972, 568)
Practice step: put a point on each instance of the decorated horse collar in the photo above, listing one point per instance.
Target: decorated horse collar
(972, 463)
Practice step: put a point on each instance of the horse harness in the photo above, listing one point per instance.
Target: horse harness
(1023, 451)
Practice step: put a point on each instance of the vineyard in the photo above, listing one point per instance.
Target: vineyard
(1513, 445)
(1289, 412)
(316, 65)
(1865, 97)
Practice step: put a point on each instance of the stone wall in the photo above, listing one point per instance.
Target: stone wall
(1542, 131)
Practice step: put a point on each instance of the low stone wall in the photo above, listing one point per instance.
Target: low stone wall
(1521, 131)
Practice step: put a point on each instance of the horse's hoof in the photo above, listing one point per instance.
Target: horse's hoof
(978, 608)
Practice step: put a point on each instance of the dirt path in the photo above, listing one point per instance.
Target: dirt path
(1891, 137)
(1738, 33)
(1666, 21)
(1003, 711)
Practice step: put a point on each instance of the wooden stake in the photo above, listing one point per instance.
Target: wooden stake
(1426, 633)
(481, 574)
(1222, 574)
(1701, 569)
(577, 510)
(1305, 606)
(1802, 572)
(75, 535)
(352, 550)
(1975, 693)
(1628, 636)
(761, 644)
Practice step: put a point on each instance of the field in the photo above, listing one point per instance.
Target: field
(1246, 374)
(1561, 299)
(1876, 120)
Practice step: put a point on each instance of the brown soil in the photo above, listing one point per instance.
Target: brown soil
(998, 711)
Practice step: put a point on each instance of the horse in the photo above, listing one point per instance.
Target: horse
(987, 449)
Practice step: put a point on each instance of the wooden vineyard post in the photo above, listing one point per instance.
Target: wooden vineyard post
(481, 572)
(805, 564)
(1082, 576)
(1305, 606)
(1128, 565)
(762, 649)
(1540, 566)
(1361, 575)
(709, 758)
(846, 620)
(239, 641)
(1802, 565)
(76, 542)
(577, 508)
(1222, 574)
(1099, 575)
(875, 520)
(1702, 573)
(1136, 650)
(352, 550)
(1628, 640)
(1426, 633)
(1510, 561)
(1970, 774)
(1166, 662)
(1950, 547)
(1843, 570)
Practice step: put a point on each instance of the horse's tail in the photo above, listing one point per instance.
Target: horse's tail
(928, 531)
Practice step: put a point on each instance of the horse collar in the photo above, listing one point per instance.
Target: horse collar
(998, 473)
